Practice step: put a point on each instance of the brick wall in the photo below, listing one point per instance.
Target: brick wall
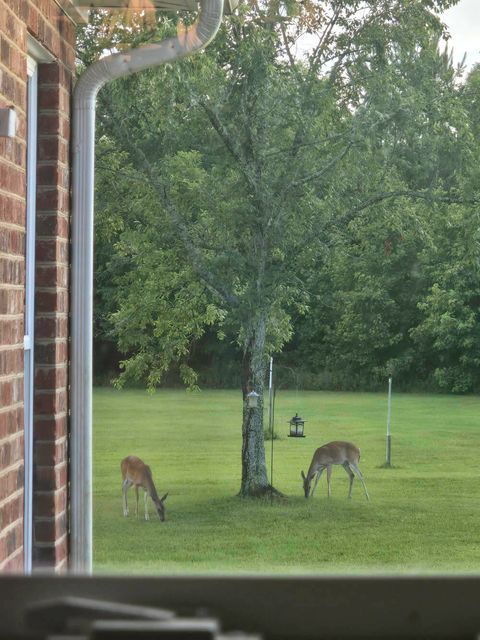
(45, 21)
(51, 319)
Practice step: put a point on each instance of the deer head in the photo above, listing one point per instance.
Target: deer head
(161, 507)
(306, 484)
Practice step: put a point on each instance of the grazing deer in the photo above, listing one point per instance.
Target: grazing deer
(136, 472)
(344, 453)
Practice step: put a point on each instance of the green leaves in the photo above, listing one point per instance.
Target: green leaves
(307, 193)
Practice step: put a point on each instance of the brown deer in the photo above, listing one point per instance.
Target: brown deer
(136, 472)
(344, 453)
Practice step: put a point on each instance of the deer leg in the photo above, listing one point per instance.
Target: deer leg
(351, 475)
(126, 484)
(329, 475)
(136, 501)
(359, 475)
(319, 473)
(145, 496)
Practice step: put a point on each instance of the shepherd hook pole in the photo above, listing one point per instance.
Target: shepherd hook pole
(389, 440)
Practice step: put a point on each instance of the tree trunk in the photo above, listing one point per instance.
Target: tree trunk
(254, 472)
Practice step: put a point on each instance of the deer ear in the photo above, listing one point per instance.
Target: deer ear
(302, 474)
(163, 498)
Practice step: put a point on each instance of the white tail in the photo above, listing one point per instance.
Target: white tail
(343, 453)
(135, 472)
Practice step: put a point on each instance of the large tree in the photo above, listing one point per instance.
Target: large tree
(229, 171)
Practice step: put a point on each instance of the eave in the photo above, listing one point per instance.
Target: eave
(78, 9)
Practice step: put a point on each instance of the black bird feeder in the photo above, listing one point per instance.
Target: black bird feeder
(296, 427)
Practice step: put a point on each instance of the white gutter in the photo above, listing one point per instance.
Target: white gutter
(115, 66)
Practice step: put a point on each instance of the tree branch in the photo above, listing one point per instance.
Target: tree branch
(323, 170)
(197, 261)
(407, 193)
(230, 144)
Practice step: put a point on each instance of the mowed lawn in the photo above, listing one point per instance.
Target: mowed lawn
(423, 515)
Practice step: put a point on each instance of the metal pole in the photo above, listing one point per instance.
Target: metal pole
(389, 441)
(270, 417)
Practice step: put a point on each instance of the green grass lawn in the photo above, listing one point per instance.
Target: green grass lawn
(423, 515)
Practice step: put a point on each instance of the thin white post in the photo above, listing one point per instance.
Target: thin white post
(270, 419)
(389, 413)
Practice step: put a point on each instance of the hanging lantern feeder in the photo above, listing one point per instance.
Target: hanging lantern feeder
(296, 427)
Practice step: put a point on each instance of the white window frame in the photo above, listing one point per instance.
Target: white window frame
(28, 340)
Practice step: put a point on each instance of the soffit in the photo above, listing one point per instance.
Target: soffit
(78, 9)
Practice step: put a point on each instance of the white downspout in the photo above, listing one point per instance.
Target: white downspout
(115, 66)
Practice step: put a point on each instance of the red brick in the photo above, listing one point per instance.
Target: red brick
(14, 151)
(8, 87)
(50, 402)
(51, 200)
(48, 174)
(11, 331)
(54, 352)
(10, 542)
(11, 511)
(49, 97)
(51, 300)
(13, 539)
(21, 94)
(10, 482)
(11, 361)
(13, 565)
(11, 391)
(48, 148)
(48, 503)
(51, 275)
(18, 63)
(11, 421)
(11, 452)
(53, 174)
(49, 73)
(51, 378)
(49, 478)
(49, 427)
(51, 250)
(50, 530)
(51, 453)
(21, 126)
(11, 302)
(12, 210)
(51, 327)
(22, 11)
(50, 555)
(54, 73)
(12, 271)
(13, 180)
(49, 123)
(5, 52)
(12, 241)
(32, 18)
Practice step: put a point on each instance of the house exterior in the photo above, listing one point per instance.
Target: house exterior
(37, 59)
